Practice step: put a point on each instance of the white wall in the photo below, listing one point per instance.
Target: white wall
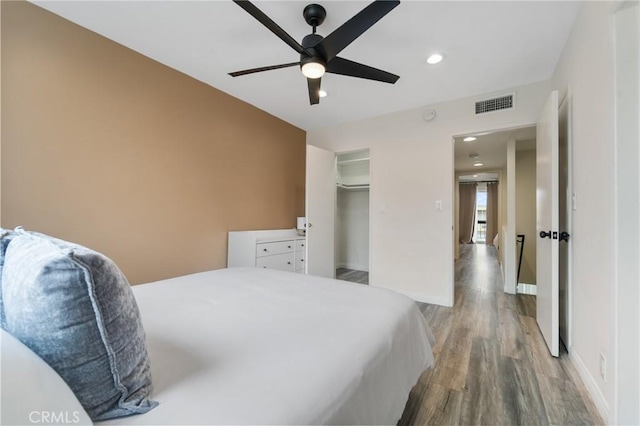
(352, 248)
(586, 69)
(411, 168)
(627, 226)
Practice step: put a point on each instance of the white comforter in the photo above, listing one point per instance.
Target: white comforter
(257, 346)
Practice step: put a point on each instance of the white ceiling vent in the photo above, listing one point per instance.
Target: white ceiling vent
(496, 104)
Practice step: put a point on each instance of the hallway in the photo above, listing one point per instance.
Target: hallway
(492, 365)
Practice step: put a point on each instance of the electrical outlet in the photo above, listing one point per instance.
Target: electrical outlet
(603, 367)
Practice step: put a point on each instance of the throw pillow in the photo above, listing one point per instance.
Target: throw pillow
(75, 309)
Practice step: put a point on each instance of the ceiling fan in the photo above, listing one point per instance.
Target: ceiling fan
(319, 54)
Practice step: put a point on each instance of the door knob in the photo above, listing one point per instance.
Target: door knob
(309, 225)
(564, 236)
(545, 234)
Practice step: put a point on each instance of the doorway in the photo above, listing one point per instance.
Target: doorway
(352, 216)
(491, 156)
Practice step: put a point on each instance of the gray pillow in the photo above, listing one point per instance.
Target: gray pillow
(74, 308)
(5, 237)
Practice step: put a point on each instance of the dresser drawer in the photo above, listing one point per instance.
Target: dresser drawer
(281, 262)
(281, 249)
(300, 256)
(276, 247)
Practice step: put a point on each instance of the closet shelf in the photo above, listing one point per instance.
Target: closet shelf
(355, 160)
(358, 186)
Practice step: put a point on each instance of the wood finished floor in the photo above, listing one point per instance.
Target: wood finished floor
(492, 366)
(361, 277)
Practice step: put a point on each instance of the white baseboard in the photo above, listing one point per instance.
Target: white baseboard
(592, 387)
(524, 288)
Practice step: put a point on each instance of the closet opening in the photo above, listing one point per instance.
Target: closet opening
(352, 216)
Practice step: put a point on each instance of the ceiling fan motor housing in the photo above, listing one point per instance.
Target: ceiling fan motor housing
(308, 42)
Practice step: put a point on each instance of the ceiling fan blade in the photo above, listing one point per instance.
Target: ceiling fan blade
(354, 69)
(267, 22)
(354, 27)
(269, 68)
(314, 90)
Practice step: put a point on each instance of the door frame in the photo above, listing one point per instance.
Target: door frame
(509, 268)
(565, 95)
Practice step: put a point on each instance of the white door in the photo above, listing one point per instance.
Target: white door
(321, 210)
(547, 224)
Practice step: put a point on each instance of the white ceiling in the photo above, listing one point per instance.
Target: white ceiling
(489, 46)
(491, 149)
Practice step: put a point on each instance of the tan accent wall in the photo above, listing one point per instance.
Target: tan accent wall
(108, 148)
(526, 213)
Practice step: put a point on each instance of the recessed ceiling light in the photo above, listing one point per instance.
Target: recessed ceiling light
(435, 58)
(322, 94)
(469, 139)
(478, 164)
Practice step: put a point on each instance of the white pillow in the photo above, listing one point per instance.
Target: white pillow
(32, 392)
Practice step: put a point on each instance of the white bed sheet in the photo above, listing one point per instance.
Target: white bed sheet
(257, 346)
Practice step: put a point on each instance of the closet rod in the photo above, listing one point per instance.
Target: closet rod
(355, 160)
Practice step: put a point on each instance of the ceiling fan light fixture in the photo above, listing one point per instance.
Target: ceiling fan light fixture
(313, 69)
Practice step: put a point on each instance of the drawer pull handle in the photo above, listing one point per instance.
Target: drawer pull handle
(288, 263)
(264, 249)
(288, 246)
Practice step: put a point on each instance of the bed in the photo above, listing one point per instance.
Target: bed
(258, 346)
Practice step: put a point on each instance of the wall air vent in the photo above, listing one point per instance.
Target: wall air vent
(496, 104)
